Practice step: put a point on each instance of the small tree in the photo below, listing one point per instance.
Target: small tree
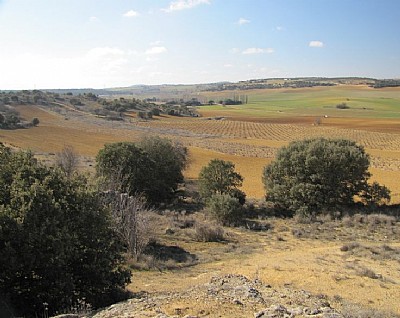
(310, 176)
(67, 160)
(153, 167)
(35, 121)
(130, 216)
(220, 177)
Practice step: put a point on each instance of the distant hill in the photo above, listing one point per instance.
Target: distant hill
(177, 92)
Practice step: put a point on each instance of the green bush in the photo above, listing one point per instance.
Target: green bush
(312, 176)
(152, 167)
(225, 209)
(57, 245)
(220, 177)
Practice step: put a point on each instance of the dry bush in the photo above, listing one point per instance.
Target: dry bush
(373, 220)
(349, 247)
(381, 219)
(383, 252)
(206, 232)
(179, 220)
(131, 218)
(367, 272)
(356, 311)
(67, 160)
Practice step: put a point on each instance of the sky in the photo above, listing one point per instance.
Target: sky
(118, 43)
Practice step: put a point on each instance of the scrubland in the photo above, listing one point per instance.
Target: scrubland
(350, 262)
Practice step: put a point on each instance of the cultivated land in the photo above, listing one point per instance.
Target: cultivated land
(306, 257)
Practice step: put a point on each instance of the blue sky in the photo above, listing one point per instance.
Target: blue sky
(110, 43)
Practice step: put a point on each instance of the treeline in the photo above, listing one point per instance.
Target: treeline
(264, 84)
(110, 109)
(386, 83)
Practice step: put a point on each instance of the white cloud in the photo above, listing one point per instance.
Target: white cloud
(316, 44)
(228, 65)
(130, 14)
(234, 50)
(156, 50)
(184, 4)
(279, 28)
(256, 50)
(93, 19)
(242, 21)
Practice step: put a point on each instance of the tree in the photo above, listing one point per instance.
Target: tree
(220, 177)
(57, 244)
(67, 160)
(376, 195)
(124, 167)
(155, 111)
(35, 121)
(153, 167)
(130, 216)
(310, 176)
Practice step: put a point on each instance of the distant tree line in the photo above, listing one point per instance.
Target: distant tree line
(386, 83)
(263, 84)
(10, 118)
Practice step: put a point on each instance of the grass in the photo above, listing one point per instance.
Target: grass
(313, 262)
(364, 102)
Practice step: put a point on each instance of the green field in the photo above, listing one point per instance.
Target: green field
(364, 102)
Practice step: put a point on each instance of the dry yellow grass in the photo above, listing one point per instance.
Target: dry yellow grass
(315, 265)
(250, 168)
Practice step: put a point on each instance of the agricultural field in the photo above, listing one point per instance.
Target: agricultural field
(352, 264)
(249, 134)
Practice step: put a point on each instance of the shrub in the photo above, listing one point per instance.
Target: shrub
(205, 232)
(35, 121)
(224, 209)
(153, 167)
(57, 244)
(316, 175)
(220, 177)
(67, 160)
(342, 106)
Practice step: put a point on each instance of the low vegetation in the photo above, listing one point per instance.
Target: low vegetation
(320, 175)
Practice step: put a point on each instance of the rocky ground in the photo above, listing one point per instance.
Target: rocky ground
(226, 296)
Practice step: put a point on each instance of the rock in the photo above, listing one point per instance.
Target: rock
(169, 231)
(237, 302)
(275, 311)
(296, 311)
